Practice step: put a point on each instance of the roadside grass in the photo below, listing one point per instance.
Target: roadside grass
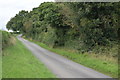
(0, 65)
(103, 64)
(18, 62)
(0, 55)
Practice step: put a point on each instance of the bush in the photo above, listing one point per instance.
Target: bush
(7, 39)
(84, 27)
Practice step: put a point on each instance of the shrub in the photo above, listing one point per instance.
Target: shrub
(7, 39)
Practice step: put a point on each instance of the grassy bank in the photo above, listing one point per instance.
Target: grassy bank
(18, 62)
(0, 65)
(0, 60)
(103, 64)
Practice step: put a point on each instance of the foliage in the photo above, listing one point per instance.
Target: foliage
(80, 26)
(7, 39)
(16, 23)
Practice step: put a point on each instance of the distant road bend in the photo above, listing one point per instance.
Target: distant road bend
(60, 66)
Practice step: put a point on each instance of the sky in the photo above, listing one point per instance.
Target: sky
(9, 8)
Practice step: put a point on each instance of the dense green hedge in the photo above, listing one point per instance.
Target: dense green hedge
(80, 26)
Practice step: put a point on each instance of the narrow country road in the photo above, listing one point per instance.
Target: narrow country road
(60, 66)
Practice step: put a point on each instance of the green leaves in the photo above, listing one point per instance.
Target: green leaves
(16, 23)
(86, 25)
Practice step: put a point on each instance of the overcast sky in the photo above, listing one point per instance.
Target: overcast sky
(9, 8)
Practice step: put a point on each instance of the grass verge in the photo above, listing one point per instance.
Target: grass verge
(18, 62)
(95, 62)
(0, 65)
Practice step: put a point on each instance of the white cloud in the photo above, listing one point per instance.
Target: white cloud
(9, 8)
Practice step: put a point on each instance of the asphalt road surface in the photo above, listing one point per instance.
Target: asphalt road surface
(60, 66)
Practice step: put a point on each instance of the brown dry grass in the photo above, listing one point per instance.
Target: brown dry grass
(12, 40)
